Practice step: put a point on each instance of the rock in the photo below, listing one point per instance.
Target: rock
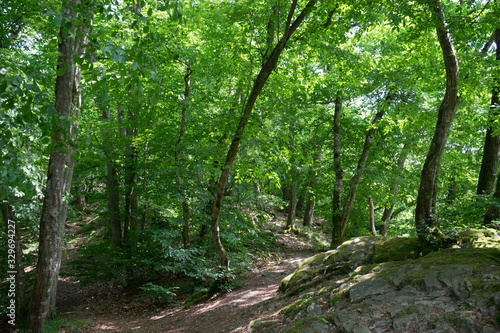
(360, 328)
(464, 325)
(454, 278)
(431, 282)
(369, 287)
(452, 290)
(314, 311)
(401, 324)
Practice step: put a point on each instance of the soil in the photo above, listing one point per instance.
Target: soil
(110, 308)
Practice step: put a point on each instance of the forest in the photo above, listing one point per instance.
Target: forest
(159, 139)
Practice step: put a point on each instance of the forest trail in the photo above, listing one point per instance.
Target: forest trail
(107, 308)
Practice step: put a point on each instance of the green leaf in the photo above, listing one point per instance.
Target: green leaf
(134, 65)
(61, 71)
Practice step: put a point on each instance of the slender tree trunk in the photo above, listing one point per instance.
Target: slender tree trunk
(387, 214)
(423, 216)
(266, 70)
(12, 231)
(491, 149)
(292, 206)
(339, 228)
(59, 175)
(309, 211)
(185, 206)
(112, 189)
(339, 175)
(372, 217)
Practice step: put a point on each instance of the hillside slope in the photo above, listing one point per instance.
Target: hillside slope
(372, 284)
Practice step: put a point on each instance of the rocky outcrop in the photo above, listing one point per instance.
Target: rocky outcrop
(372, 284)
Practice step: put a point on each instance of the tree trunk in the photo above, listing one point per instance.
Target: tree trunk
(339, 175)
(493, 212)
(292, 206)
(17, 268)
(423, 217)
(285, 189)
(372, 217)
(309, 211)
(112, 190)
(491, 149)
(300, 205)
(266, 70)
(185, 206)
(59, 175)
(339, 228)
(387, 214)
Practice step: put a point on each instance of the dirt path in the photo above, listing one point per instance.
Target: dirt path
(229, 312)
(112, 309)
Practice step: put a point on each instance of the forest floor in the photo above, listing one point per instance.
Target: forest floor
(108, 308)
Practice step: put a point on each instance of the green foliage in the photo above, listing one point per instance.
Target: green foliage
(155, 291)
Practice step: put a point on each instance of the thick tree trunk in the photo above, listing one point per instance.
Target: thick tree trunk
(300, 205)
(491, 149)
(339, 175)
(423, 216)
(339, 228)
(493, 212)
(266, 70)
(184, 203)
(58, 182)
(372, 217)
(12, 231)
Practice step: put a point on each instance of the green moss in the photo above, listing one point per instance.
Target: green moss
(304, 273)
(294, 308)
(396, 249)
(462, 257)
(480, 238)
(197, 297)
(306, 323)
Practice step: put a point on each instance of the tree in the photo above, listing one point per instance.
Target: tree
(446, 113)
(491, 149)
(61, 163)
(266, 70)
(342, 217)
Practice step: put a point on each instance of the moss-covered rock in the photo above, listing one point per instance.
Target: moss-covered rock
(393, 284)
(397, 249)
(480, 238)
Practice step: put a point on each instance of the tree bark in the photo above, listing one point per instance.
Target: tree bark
(493, 212)
(266, 70)
(341, 223)
(59, 175)
(292, 206)
(339, 175)
(184, 203)
(491, 149)
(423, 216)
(372, 217)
